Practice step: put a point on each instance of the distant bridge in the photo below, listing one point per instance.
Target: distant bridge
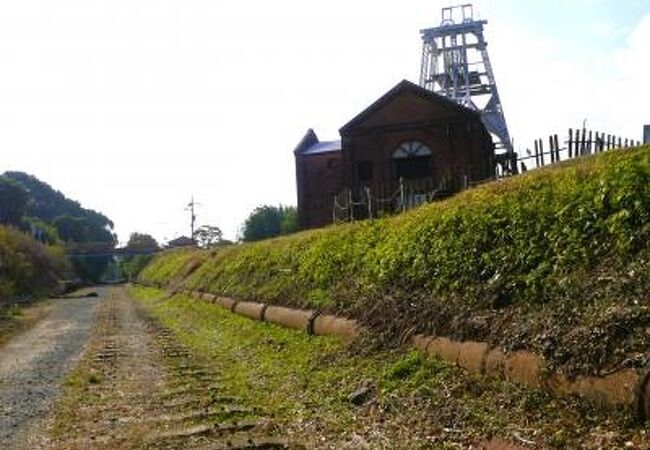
(105, 249)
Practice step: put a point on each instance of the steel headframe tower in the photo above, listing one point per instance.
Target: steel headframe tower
(455, 64)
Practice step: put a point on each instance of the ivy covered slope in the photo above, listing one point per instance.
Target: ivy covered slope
(27, 267)
(556, 260)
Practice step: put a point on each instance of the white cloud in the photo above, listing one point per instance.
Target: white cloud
(547, 88)
(627, 88)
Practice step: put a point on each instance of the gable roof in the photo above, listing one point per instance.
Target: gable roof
(308, 140)
(310, 145)
(323, 147)
(401, 87)
(182, 241)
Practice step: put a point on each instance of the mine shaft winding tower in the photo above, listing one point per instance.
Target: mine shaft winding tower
(455, 64)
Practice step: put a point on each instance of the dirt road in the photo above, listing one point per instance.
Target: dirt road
(129, 384)
(32, 366)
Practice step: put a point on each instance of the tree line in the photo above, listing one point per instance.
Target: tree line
(34, 207)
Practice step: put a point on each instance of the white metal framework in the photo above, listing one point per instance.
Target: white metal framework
(455, 64)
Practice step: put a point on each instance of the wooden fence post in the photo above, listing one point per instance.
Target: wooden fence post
(369, 197)
(350, 205)
(577, 149)
(599, 142)
(557, 148)
(570, 143)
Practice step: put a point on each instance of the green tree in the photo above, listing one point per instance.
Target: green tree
(269, 221)
(142, 241)
(42, 231)
(72, 229)
(289, 220)
(49, 205)
(130, 266)
(30, 204)
(13, 202)
(91, 269)
(208, 236)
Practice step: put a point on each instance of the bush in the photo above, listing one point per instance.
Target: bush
(28, 267)
(131, 266)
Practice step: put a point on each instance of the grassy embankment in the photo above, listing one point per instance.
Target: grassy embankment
(556, 261)
(28, 270)
(303, 383)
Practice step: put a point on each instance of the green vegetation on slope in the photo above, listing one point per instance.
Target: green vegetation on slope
(27, 267)
(304, 383)
(556, 260)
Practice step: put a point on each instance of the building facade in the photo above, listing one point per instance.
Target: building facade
(408, 137)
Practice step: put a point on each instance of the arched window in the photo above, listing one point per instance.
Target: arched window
(412, 159)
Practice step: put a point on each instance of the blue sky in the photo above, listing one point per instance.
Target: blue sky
(134, 107)
(588, 26)
(585, 25)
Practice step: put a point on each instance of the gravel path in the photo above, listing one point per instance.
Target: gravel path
(32, 366)
(149, 391)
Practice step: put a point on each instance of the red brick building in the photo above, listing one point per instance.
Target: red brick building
(410, 136)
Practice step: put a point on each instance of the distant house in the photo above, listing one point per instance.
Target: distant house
(408, 136)
(182, 241)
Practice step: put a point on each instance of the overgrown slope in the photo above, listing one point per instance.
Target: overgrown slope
(555, 260)
(27, 267)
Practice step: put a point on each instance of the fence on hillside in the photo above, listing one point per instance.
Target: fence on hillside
(386, 198)
(579, 142)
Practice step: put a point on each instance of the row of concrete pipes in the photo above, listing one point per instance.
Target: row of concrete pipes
(627, 388)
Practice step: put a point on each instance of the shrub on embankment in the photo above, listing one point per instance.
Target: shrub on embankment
(27, 267)
(555, 260)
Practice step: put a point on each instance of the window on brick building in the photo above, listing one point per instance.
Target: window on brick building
(364, 170)
(412, 159)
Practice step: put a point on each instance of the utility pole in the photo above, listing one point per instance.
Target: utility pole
(190, 208)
